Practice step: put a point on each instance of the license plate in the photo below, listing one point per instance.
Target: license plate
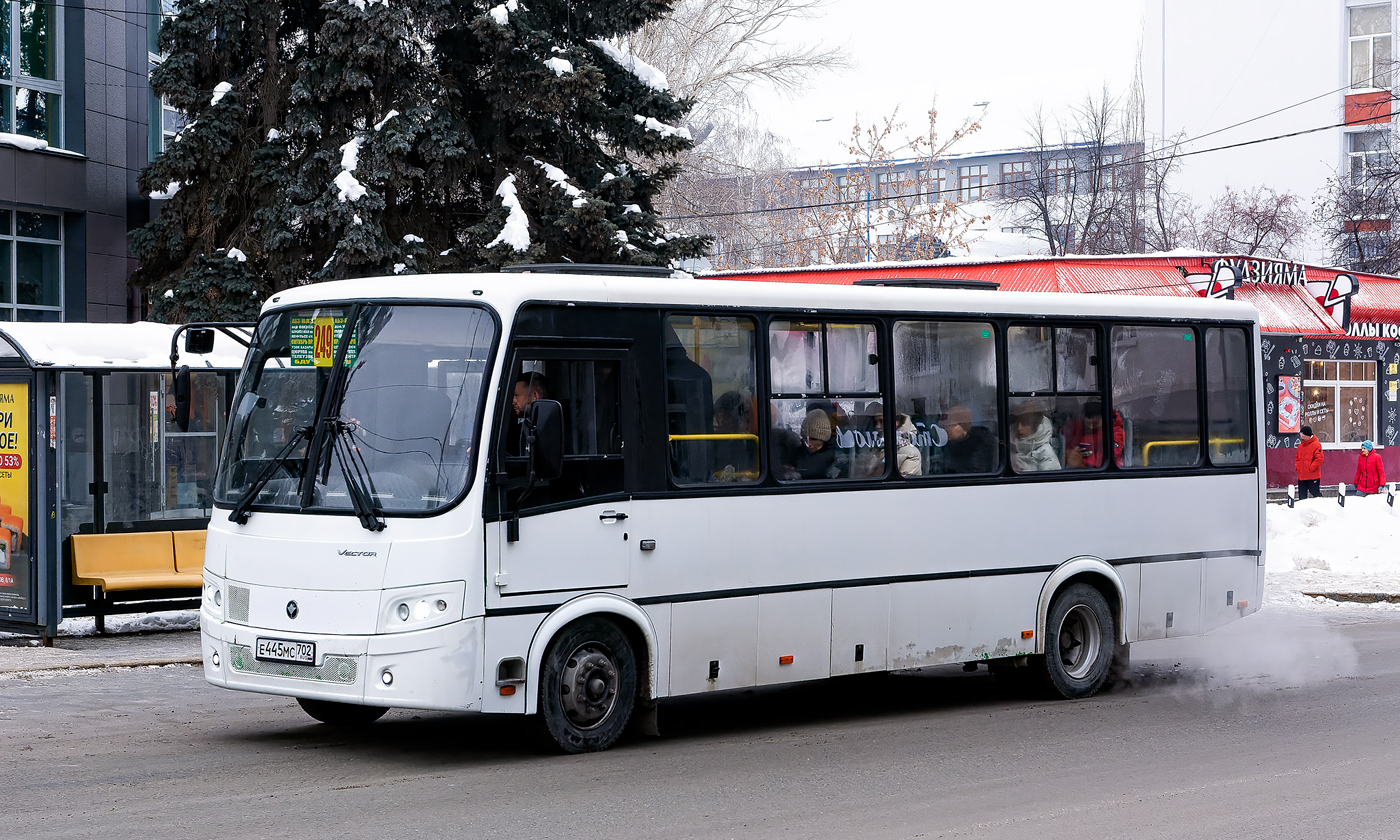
(285, 650)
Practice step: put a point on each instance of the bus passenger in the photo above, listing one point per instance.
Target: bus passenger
(906, 455)
(1084, 438)
(1030, 439)
(970, 449)
(817, 457)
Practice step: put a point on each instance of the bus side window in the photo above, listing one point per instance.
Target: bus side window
(1229, 392)
(1154, 390)
(588, 391)
(945, 384)
(825, 380)
(1058, 417)
(711, 411)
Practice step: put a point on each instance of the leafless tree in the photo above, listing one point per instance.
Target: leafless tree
(885, 205)
(1357, 210)
(1255, 222)
(1168, 216)
(713, 52)
(1079, 190)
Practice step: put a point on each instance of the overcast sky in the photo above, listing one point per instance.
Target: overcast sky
(1014, 54)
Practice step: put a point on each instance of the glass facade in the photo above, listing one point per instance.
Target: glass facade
(31, 82)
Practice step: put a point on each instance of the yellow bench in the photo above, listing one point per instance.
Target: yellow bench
(152, 560)
(136, 562)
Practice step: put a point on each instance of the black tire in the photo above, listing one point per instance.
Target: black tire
(341, 714)
(1079, 643)
(588, 686)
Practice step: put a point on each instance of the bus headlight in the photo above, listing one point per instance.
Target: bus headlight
(419, 607)
(214, 598)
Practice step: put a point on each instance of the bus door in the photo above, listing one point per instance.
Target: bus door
(573, 531)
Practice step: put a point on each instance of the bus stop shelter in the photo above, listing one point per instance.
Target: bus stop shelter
(89, 445)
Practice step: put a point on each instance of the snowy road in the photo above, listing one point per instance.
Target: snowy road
(1282, 725)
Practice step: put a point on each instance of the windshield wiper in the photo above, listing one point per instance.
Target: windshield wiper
(239, 513)
(358, 483)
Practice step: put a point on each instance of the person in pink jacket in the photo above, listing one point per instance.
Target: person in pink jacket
(1370, 472)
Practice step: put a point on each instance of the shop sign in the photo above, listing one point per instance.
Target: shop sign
(1362, 329)
(1272, 272)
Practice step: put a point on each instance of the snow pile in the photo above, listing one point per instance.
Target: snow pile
(133, 623)
(220, 90)
(501, 14)
(559, 66)
(1320, 546)
(409, 238)
(653, 124)
(650, 76)
(389, 116)
(273, 134)
(20, 141)
(561, 181)
(235, 254)
(350, 187)
(516, 233)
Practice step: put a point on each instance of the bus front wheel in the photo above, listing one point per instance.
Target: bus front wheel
(341, 714)
(1079, 642)
(588, 686)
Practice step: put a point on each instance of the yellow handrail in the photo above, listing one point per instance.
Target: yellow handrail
(753, 438)
(1147, 448)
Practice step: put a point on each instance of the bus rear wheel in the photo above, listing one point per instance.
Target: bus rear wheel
(341, 714)
(1079, 643)
(588, 686)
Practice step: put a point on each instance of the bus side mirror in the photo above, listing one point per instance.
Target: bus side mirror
(182, 398)
(199, 340)
(544, 424)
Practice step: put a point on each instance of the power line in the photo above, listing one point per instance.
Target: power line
(988, 187)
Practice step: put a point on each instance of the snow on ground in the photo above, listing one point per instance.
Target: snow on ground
(1320, 546)
(132, 623)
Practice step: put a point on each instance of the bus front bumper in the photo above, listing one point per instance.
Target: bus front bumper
(436, 668)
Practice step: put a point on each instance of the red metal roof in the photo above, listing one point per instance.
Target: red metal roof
(1288, 309)
(1377, 300)
(1282, 309)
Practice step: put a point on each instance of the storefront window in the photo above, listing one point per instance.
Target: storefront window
(1340, 402)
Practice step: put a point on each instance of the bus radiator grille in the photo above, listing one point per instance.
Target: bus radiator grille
(238, 604)
(335, 669)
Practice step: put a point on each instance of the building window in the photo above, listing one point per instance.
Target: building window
(931, 184)
(31, 266)
(1369, 41)
(31, 87)
(1061, 176)
(1111, 173)
(1365, 154)
(163, 121)
(1339, 402)
(1015, 179)
(972, 183)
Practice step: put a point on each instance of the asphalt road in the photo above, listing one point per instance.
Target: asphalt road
(1282, 725)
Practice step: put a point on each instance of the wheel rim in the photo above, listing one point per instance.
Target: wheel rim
(588, 685)
(1080, 641)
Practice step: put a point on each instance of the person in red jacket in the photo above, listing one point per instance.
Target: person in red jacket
(1370, 472)
(1308, 462)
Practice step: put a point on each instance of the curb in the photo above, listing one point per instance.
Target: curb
(1357, 597)
(102, 666)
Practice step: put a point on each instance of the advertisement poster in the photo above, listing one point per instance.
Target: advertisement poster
(14, 496)
(1290, 404)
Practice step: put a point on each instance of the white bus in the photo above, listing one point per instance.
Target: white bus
(569, 496)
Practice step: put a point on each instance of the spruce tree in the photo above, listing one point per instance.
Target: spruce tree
(362, 137)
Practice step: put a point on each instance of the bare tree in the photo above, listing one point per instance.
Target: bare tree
(1256, 222)
(1079, 189)
(1168, 217)
(1357, 209)
(712, 51)
(887, 204)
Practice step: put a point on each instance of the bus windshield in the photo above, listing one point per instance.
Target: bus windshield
(404, 416)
